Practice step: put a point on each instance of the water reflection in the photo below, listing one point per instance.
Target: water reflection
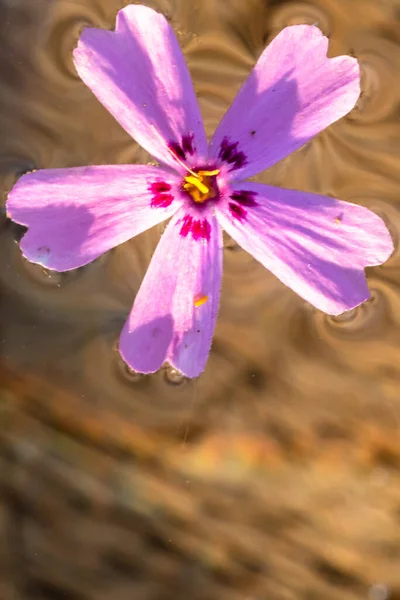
(276, 474)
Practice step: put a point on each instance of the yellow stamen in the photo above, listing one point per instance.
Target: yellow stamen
(209, 173)
(200, 301)
(197, 183)
(200, 185)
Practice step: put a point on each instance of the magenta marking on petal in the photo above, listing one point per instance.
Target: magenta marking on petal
(185, 147)
(187, 143)
(186, 226)
(237, 211)
(159, 187)
(201, 229)
(229, 153)
(177, 150)
(245, 197)
(162, 200)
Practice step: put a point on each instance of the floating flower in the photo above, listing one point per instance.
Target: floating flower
(317, 246)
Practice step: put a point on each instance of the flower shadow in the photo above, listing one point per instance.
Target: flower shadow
(283, 102)
(58, 236)
(147, 345)
(342, 285)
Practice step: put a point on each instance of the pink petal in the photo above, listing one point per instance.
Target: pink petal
(139, 74)
(175, 310)
(75, 215)
(316, 245)
(293, 93)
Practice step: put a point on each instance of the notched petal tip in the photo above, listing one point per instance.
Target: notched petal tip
(384, 245)
(300, 29)
(191, 371)
(137, 11)
(317, 246)
(138, 72)
(144, 347)
(15, 197)
(175, 310)
(132, 11)
(75, 215)
(336, 311)
(349, 71)
(294, 91)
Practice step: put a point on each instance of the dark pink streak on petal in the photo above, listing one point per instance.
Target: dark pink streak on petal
(158, 187)
(199, 228)
(187, 144)
(237, 211)
(177, 150)
(185, 147)
(245, 197)
(186, 226)
(229, 153)
(160, 199)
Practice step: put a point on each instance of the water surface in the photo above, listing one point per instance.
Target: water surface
(275, 475)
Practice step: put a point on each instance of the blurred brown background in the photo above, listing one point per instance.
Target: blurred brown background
(275, 475)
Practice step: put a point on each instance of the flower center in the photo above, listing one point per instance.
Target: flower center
(201, 185)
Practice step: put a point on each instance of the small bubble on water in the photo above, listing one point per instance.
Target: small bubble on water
(348, 315)
(379, 591)
(174, 376)
(43, 275)
(131, 374)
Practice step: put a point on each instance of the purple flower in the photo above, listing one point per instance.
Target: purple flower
(316, 245)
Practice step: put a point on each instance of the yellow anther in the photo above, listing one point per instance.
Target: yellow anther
(209, 173)
(200, 301)
(201, 185)
(197, 182)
